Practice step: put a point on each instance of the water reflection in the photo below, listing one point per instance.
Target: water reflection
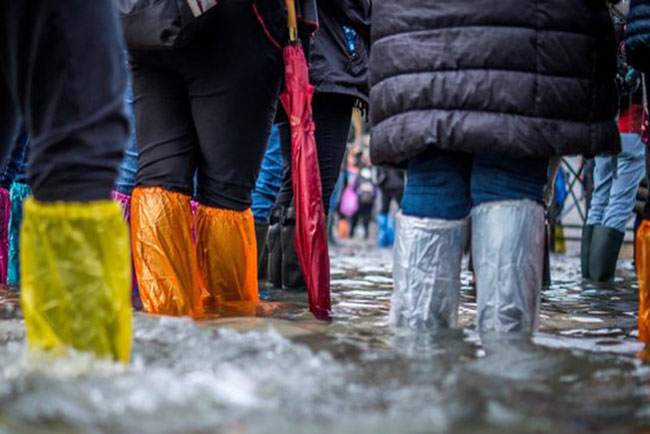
(281, 371)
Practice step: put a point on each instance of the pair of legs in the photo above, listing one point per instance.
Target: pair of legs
(332, 117)
(385, 223)
(63, 75)
(616, 182)
(266, 191)
(363, 215)
(503, 196)
(205, 110)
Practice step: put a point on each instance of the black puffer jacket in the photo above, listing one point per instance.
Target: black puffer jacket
(524, 78)
(637, 35)
(339, 51)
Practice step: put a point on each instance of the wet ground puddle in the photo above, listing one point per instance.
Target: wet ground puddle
(285, 372)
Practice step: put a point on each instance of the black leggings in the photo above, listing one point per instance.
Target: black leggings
(63, 74)
(332, 117)
(208, 109)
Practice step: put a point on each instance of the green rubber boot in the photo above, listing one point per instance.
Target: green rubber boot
(261, 231)
(274, 248)
(605, 246)
(585, 248)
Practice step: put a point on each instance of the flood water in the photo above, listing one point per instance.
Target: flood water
(287, 373)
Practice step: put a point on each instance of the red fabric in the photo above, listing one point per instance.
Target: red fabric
(631, 119)
(311, 233)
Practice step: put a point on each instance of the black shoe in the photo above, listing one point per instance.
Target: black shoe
(292, 277)
(274, 248)
(605, 246)
(261, 232)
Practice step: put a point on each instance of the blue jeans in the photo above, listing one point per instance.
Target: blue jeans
(269, 180)
(129, 166)
(446, 185)
(616, 182)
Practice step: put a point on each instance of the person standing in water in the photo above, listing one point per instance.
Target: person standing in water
(63, 75)
(473, 97)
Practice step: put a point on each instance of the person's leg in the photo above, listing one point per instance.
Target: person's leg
(603, 180)
(386, 199)
(269, 180)
(264, 196)
(10, 123)
(283, 201)
(11, 175)
(354, 221)
(430, 238)
(366, 217)
(607, 237)
(161, 215)
(508, 241)
(66, 68)
(18, 193)
(129, 167)
(233, 106)
(383, 235)
(438, 186)
(630, 170)
(332, 117)
(125, 184)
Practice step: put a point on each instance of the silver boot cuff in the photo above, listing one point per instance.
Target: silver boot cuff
(426, 272)
(508, 254)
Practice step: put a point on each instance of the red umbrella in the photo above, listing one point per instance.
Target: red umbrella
(311, 233)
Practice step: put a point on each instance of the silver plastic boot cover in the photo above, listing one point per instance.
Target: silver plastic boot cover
(508, 257)
(426, 272)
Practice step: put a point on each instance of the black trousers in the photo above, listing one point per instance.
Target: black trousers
(332, 117)
(63, 73)
(207, 109)
(365, 215)
(387, 196)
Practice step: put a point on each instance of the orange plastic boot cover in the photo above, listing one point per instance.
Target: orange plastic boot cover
(643, 270)
(227, 255)
(163, 252)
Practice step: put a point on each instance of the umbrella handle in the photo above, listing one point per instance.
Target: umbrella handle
(292, 21)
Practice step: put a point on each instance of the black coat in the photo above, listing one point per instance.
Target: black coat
(524, 78)
(336, 67)
(637, 35)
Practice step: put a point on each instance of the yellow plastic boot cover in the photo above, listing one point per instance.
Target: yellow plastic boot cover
(643, 270)
(75, 292)
(227, 254)
(163, 252)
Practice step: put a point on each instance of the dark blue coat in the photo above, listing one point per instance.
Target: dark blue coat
(521, 78)
(637, 35)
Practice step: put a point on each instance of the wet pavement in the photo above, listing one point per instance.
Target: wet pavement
(287, 373)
